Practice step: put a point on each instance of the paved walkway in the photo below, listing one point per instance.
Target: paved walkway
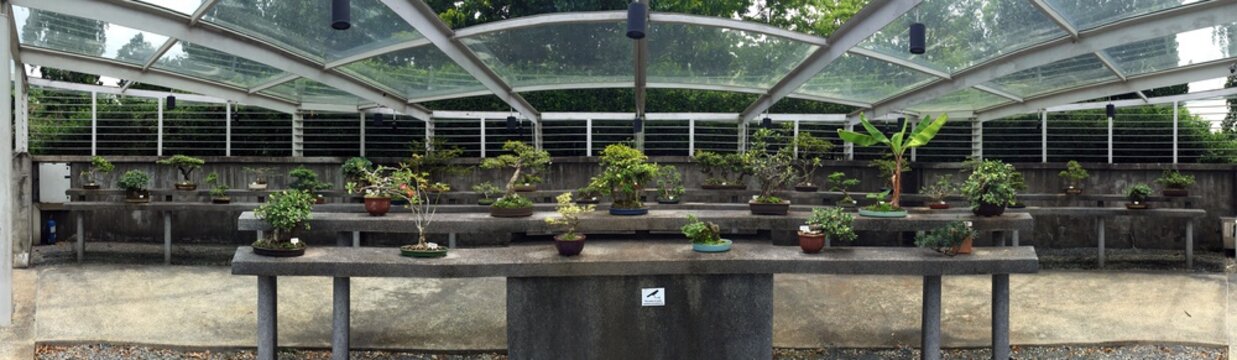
(209, 307)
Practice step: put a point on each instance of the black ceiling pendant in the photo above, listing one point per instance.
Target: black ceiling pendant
(918, 38)
(341, 14)
(512, 123)
(637, 20)
(766, 123)
(637, 125)
(378, 120)
(1111, 111)
(170, 103)
(394, 124)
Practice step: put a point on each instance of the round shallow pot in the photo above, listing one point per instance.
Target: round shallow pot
(1073, 191)
(882, 214)
(810, 243)
(279, 252)
(257, 186)
(588, 200)
(807, 187)
(628, 212)
(404, 251)
(569, 247)
(1176, 192)
(186, 186)
(377, 206)
(669, 201)
(511, 212)
(137, 196)
(91, 186)
(769, 209)
(221, 200)
(485, 202)
(526, 188)
(939, 205)
(723, 247)
(985, 209)
(723, 186)
(1136, 206)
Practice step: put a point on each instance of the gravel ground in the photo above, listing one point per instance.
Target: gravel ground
(131, 352)
(1131, 259)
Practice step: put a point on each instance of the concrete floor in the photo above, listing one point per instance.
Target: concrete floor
(199, 306)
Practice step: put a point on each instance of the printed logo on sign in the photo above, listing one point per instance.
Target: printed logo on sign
(653, 297)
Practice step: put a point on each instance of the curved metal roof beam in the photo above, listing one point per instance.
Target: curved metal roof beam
(621, 16)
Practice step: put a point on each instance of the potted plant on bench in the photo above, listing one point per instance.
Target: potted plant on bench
(881, 207)
(669, 185)
(939, 191)
(218, 190)
(90, 176)
(1137, 194)
(134, 182)
(721, 171)
(286, 212)
(306, 180)
(1073, 174)
(1175, 183)
(520, 157)
(354, 169)
(811, 151)
(587, 195)
(953, 239)
(416, 189)
(991, 187)
(570, 242)
(826, 225)
(625, 170)
(706, 236)
(839, 182)
(898, 144)
(186, 165)
(259, 177)
(437, 160)
(487, 191)
(377, 185)
(772, 170)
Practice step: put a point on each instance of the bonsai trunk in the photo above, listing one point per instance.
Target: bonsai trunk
(184, 173)
(515, 175)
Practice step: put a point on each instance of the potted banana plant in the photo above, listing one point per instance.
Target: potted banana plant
(898, 143)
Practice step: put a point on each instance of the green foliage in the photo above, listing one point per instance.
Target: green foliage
(306, 180)
(284, 211)
(669, 182)
(1074, 172)
(993, 182)
(98, 165)
(941, 189)
(839, 182)
(437, 160)
(186, 164)
(354, 168)
(885, 166)
(833, 223)
(720, 169)
(217, 188)
(487, 189)
(260, 173)
(421, 196)
(624, 172)
(133, 180)
(898, 143)
(521, 157)
(701, 232)
(773, 169)
(811, 153)
(945, 238)
(512, 201)
(880, 202)
(1175, 179)
(378, 182)
(568, 216)
(1138, 192)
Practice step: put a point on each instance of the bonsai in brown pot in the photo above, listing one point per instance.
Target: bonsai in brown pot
(519, 158)
(186, 165)
(134, 182)
(991, 186)
(939, 191)
(772, 170)
(218, 190)
(1175, 183)
(377, 184)
(90, 176)
(570, 242)
(823, 227)
(1137, 194)
(954, 238)
(840, 183)
(1073, 174)
(722, 171)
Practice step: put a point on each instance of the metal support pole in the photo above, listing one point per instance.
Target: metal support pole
(362, 137)
(930, 330)
(94, 123)
(1100, 225)
(848, 148)
(796, 143)
(691, 137)
(167, 238)
(268, 317)
(1000, 316)
(482, 138)
(298, 134)
(227, 129)
(80, 247)
(159, 129)
(1175, 115)
(342, 291)
(429, 135)
(1043, 136)
(1110, 140)
(588, 138)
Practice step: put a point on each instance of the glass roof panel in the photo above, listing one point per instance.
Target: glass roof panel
(418, 72)
(705, 55)
(1068, 73)
(186, 7)
(304, 27)
(864, 79)
(307, 91)
(1086, 14)
(88, 37)
(962, 33)
(962, 100)
(557, 54)
(1191, 47)
(200, 61)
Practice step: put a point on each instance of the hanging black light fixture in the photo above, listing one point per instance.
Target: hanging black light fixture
(637, 20)
(1111, 111)
(341, 14)
(918, 38)
(512, 123)
(637, 125)
(170, 103)
(394, 123)
(766, 123)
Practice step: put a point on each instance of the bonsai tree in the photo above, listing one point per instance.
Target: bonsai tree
(354, 169)
(259, 177)
(1138, 194)
(437, 160)
(772, 169)
(832, 223)
(134, 180)
(488, 191)
(218, 190)
(186, 165)
(839, 182)
(625, 170)
(880, 202)
(939, 190)
(306, 180)
(285, 211)
(521, 157)
(885, 166)
(898, 144)
(1174, 183)
(415, 188)
(98, 165)
(1073, 174)
(568, 217)
(809, 155)
(375, 183)
(669, 183)
(700, 232)
(949, 239)
(722, 169)
(992, 183)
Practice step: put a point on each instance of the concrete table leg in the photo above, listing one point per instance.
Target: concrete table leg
(260, 235)
(1015, 237)
(998, 238)
(167, 238)
(340, 335)
(268, 315)
(1189, 244)
(80, 249)
(930, 330)
(1000, 316)
(1101, 240)
(451, 240)
(343, 238)
(356, 239)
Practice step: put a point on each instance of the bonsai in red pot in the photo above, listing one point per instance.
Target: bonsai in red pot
(1175, 183)
(571, 241)
(377, 184)
(952, 239)
(937, 192)
(824, 226)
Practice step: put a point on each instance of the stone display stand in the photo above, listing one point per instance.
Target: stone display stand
(717, 306)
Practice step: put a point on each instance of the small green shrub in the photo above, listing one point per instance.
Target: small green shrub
(134, 180)
(993, 182)
(98, 165)
(1074, 173)
(669, 182)
(285, 211)
(839, 182)
(487, 190)
(217, 188)
(722, 169)
(881, 204)
(1138, 192)
(701, 232)
(772, 169)
(625, 171)
(569, 216)
(304, 179)
(513, 201)
(354, 168)
(833, 223)
(941, 189)
(1175, 179)
(944, 239)
(375, 183)
(521, 158)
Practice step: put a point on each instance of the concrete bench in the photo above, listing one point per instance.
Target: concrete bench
(716, 306)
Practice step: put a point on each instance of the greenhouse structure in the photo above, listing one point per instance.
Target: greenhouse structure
(618, 179)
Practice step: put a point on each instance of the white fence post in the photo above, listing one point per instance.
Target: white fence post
(227, 128)
(94, 123)
(848, 148)
(1110, 140)
(22, 125)
(742, 137)
(1175, 115)
(429, 135)
(795, 142)
(977, 139)
(1043, 136)
(298, 134)
(588, 138)
(482, 138)
(362, 119)
(159, 133)
(691, 137)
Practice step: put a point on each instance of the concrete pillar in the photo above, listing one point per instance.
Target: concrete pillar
(268, 317)
(1100, 227)
(930, 330)
(340, 334)
(1000, 316)
(6, 170)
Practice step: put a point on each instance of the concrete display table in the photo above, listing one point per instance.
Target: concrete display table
(714, 306)
(1101, 214)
